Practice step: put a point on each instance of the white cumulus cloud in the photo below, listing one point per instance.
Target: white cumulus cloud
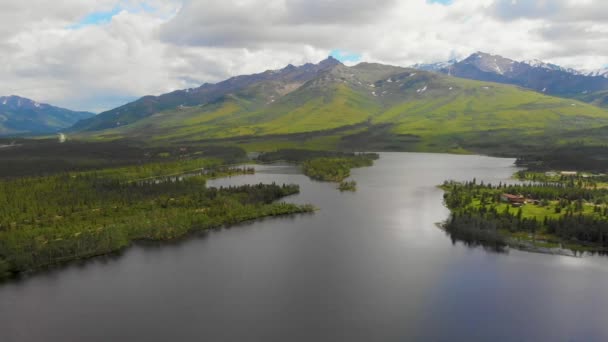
(67, 53)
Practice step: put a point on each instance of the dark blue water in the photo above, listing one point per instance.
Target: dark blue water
(369, 266)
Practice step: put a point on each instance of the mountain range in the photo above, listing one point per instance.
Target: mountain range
(328, 105)
(484, 101)
(599, 72)
(19, 115)
(493, 60)
(532, 74)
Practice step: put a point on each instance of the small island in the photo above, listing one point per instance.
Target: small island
(551, 217)
(326, 166)
(347, 186)
(335, 169)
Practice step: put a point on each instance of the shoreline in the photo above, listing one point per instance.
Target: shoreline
(60, 264)
(524, 246)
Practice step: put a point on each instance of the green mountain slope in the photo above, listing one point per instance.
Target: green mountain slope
(412, 109)
(599, 99)
(454, 110)
(282, 80)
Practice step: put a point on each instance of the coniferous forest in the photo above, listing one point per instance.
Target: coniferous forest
(335, 169)
(50, 220)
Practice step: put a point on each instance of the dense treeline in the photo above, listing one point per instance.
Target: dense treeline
(209, 167)
(49, 220)
(300, 155)
(465, 193)
(561, 213)
(42, 157)
(580, 179)
(574, 156)
(475, 230)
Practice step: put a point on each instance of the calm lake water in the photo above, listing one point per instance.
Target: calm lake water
(369, 266)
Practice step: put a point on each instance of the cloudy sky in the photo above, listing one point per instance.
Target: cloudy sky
(96, 55)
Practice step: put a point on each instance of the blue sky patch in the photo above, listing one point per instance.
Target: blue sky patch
(443, 2)
(96, 18)
(345, 56)
(99, 18)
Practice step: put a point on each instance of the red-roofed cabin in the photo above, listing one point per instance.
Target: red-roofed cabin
(512, 198)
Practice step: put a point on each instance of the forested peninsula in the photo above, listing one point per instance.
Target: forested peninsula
(548, 217)
(46, 221)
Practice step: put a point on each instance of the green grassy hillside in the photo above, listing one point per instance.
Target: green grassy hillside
(310, 108)
(599, 99)
(452, 110)
(404, 108)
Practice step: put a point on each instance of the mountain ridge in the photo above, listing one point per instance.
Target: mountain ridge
(206, 93)
(20, 115)
(533, 74)
(404, 108)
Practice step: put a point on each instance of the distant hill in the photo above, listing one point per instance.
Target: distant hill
(281, 81)
(330, 104)
(19, 115)
(534, 74)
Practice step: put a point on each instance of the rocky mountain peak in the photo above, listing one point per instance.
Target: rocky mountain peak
(289, 67)
(534, 74)
(490, 63)
(329, 62)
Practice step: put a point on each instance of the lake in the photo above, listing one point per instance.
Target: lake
(368, 266)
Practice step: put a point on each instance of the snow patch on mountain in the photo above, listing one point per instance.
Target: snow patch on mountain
(536, 63)
(437, 66)
(598, 73)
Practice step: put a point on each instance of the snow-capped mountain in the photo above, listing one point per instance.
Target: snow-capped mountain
(533, 74)
(598, 73)
(536, 63)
